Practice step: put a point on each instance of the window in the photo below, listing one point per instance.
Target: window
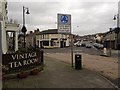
(37, 42)
(48, 36)
(45, 43)
(40, 36)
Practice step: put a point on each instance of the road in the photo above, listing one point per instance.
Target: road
(92, 51)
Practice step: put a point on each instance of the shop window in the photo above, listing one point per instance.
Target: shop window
(45, 43)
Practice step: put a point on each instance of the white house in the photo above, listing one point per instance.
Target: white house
(51, 38)
(7, 27)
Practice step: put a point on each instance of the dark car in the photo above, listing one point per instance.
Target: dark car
(83, 45)
(78, 45)
(98, 46)
(88, 46)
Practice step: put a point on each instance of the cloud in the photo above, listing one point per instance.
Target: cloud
(62, 1)
(91, 17)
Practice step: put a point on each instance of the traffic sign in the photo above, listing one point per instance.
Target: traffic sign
(64, 19)
(64, 23)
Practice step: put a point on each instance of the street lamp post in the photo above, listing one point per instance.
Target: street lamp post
(24, 30)
(117, 29)
(110, 40)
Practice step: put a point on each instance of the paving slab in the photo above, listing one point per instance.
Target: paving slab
(57, 74)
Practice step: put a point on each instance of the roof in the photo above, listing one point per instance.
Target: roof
(50, 31)
(112, 30)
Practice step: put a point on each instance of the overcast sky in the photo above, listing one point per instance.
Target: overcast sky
(87, 17)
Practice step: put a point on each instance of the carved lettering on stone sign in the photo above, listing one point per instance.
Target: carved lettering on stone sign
(23, 56)
(23, 63)
(19, 61)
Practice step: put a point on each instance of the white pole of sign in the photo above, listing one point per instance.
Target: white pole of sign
(0, 56)
(71, 50)
(71, 44)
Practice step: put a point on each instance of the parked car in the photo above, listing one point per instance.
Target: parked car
(78, 44)
(91, 42)
(97, 45)
(75, 44)
(83, 45)
(100, 46)
(88, 46)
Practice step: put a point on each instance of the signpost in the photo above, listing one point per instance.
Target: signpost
(0, 56)
(64, 23)
(64, 26)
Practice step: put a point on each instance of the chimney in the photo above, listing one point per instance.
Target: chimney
(37, 29)
(31, 32)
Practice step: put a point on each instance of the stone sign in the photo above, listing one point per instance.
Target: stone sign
(13, 63)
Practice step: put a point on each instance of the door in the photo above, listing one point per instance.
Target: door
(61, 44)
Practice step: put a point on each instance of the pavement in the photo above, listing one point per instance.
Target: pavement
(58, 74)
(114, 53)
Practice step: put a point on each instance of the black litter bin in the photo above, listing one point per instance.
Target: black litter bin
(78, 62)
(42, 58)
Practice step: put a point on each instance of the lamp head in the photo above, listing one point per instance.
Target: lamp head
(27, 11)
(114, 17)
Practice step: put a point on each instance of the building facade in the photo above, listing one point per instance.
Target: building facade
(6, 27)
(52, 39)
(111, 39)
(31, 38)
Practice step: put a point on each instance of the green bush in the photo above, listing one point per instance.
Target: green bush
(24, 50)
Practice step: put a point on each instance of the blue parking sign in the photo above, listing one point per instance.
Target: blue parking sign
(64, 23)
(64, 19)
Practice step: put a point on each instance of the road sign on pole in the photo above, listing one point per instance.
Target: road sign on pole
(64, 23)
